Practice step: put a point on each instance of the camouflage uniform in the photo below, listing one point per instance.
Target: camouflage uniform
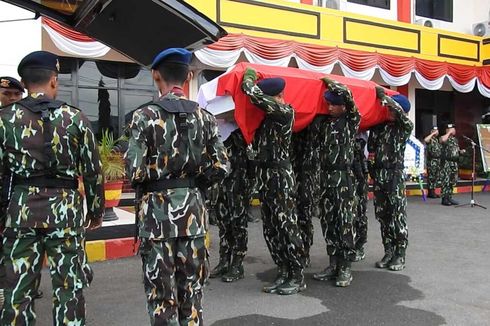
(275, 178)
(434, 151)
(449, 172)
(47, 219)
(171, 152)
(305, 159)
(232, 204)
(362, 189)
(387, 141)
(337, 178)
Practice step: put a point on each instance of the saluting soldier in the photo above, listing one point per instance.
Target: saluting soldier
(276, 182)
(337, 206)
(45, 146)
(387, 142)
(450, 159)
(434, 152)
(174, 154)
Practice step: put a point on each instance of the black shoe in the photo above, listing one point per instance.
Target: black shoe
(281, 278)
(432, 194)
(453, 202)
(344, 277)
(328, 273)
(294, 284)
(446, 202)
(38, 294)
(222, 267)
(360, 255)
(397, 263)
(383, 263)
(235, 271)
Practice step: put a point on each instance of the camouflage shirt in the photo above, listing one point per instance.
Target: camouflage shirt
(434, 149)
(388, 140)
(236, 149)
(450, 149)
(338, 141)
(75, 155)
(159, 149)
(272, 140)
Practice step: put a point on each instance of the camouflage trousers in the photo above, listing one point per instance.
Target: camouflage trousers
(23, 255)
(280, 222)
(390, 203)
(174, 273)
(337, 206)
(433, 173)
(307, 205)
(232, 215)
(449, 178)
(361, 219)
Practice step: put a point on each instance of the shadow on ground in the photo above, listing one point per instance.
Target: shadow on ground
(372, 299)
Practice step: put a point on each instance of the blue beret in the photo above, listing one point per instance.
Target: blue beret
(403, 101)
(9, 82)
(334, 98)
(272, 86)
(40, 60)
(172, 55)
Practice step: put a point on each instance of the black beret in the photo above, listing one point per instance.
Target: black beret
(272, 86)
(403, 101)
(334, 98)
(172, 55)
(40, 60)
(9, 82)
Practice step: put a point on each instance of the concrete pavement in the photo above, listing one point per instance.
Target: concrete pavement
(446, 281)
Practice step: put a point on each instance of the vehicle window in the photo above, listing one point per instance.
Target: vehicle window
(67, 7)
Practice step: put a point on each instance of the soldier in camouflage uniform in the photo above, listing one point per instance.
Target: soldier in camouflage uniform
(11, 91)
(387, 142)
(231, 211)
(434, 149)
(276, 182)
(337, 181)
(45, 146)
(449, 158)
(362, 188)
(305, 160)
(174, 153)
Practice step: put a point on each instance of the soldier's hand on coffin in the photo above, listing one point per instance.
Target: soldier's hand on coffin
(380, 92)
(250, 73)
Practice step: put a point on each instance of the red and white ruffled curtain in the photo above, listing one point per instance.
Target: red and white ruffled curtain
(72, 42)
(395, 70)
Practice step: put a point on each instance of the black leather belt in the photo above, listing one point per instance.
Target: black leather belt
(159, 185)
(46, 182)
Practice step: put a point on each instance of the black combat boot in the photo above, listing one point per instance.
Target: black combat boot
(328, 273)
(445, 201)
(452, 201)
(432, 194)
(294, 284)
(383, 263)
(235, 271)
(221, 268)
(360, 255)
(344, 277)
(397, 263)
(282, 276)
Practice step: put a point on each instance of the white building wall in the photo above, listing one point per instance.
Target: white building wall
(18, 38)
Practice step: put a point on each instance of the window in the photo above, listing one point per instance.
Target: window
(106, 92)
(440, 9)
(384, 4)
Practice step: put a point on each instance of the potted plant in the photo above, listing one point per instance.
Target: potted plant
(113, 169)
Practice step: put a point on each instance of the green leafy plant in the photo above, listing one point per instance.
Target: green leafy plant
(112, 159)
